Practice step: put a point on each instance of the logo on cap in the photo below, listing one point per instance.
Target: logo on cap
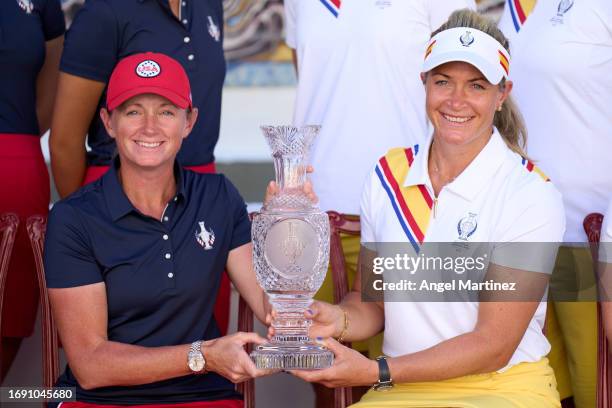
(148, 69)
(467, 39)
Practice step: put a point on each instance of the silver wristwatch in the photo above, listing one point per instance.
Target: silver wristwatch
(195, 358)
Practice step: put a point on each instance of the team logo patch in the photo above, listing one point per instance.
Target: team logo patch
(148, 69)
(563, 7)
(205, 237)
(467, 39)
(382, 4)
(467, 226)
(213, 29)
(26, 5)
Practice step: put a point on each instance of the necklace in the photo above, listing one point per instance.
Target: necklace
(435, 168)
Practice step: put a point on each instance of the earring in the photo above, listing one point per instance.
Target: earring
(499, 108)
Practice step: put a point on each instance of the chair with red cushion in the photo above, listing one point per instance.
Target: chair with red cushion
(37, 227)
(245, 324)
(592, 226)
(350, 225)
(9, 223)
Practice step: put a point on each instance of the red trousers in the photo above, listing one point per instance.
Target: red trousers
(24, 190)
(201, 404)
(223, 296)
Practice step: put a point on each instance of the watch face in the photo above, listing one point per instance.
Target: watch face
(196, 363)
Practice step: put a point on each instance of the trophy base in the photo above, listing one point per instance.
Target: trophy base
(292, 356)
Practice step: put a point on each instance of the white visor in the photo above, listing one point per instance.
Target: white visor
(472, 46)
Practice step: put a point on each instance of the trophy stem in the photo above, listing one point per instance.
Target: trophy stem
(289, 324)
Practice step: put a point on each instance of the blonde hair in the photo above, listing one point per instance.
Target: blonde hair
(509, 120)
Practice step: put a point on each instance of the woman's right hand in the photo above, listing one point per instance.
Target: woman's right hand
(327, 320)
(227, 357)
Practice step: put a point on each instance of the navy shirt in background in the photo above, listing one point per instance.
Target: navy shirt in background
(161, 276)
(23, 33)
(105, 31)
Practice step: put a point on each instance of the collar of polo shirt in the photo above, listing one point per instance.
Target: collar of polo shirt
(116, 200)
(475, 176)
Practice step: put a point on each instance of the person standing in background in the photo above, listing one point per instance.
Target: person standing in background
(358, 66)
(103, 32)
(31, 37)
(562, 61)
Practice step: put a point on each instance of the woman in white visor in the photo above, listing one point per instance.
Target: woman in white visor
(470, 182)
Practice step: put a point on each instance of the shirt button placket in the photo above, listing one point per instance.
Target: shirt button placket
(168, 257)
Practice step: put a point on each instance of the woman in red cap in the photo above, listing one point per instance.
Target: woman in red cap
(134, 259)
(102, 33)
(31, 36)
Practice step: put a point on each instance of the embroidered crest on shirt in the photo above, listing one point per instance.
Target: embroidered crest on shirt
(333, 6)
(466, 39)
(148, 69)
(563, 7)
(467, 226)
(382, 4)
(213, 29)
(204, 237)
(26, 5)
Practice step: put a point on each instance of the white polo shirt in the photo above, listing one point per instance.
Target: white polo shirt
(605, 246)
(561, 65)
(505, 201)
(359, 67)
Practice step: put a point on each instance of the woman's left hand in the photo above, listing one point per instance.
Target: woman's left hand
(272, 189)
(350, 368)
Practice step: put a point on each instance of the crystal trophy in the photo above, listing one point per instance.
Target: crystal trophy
(290, 253)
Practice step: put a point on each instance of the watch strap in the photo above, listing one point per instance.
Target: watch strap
(385, 381)
(196, 347)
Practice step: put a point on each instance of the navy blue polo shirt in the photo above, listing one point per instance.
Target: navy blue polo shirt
(24, 28)
(161, 275)
(105, 31)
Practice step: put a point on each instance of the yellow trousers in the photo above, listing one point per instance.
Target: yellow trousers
(526, 385)
(571, 327)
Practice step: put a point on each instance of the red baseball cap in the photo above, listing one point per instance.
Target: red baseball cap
(148, 72)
